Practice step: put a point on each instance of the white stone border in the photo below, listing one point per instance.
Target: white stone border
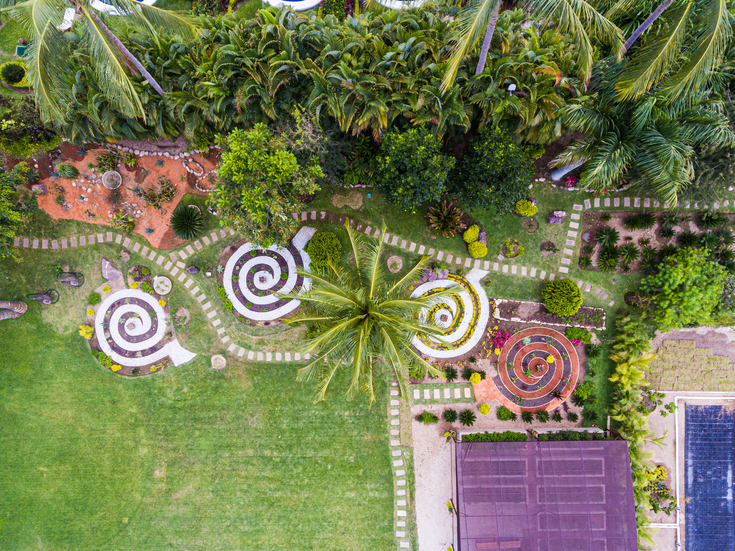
(297, 5)
(178, 354)
(473, 278)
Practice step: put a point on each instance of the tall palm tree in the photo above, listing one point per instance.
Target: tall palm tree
(651, 140)
(50, 54)
(364, 322)
(701, 29)
(573, 17)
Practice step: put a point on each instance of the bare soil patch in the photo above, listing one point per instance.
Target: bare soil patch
(352, 200)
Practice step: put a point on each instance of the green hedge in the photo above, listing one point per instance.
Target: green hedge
(507, 436)
(567, 435)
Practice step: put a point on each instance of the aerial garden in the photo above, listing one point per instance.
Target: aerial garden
(249, 238)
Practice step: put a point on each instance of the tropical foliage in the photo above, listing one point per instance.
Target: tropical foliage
(259, 185)
(651, 140)
(410, 168)
(363, 321)
(187, 222)
(12, 214)
(494, 173)
(562, 297)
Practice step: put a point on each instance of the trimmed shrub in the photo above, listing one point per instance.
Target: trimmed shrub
(556, 417)
(579, 334)
(427, 418)
(573, 417)
(323, 248)
(525, 207)
(467, 418)
(484, 409)
(145, 271)
(450, 415)
(506, 436)
(146, 288)
(564, 435)
(186, 223)
(471, 234)
(477, 249)
(542, 416)
(94, 299)
(562, 297)
(527, 417)
(504, 414)
(410, 167)
(475, 378)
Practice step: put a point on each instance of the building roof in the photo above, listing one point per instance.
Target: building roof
(545, 496)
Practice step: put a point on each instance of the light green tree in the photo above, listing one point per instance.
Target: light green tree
(11, 217)
(686, 290)
(259, 185)
(363, 322)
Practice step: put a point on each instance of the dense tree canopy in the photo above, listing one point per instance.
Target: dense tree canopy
(11, 213)
(259, 183)
(686, 290)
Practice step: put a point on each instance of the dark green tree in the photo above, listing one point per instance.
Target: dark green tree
(11, 215)
(686, 290)
(494, 173)
(410, 168)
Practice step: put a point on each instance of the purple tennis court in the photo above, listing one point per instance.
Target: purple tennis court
(545, 496)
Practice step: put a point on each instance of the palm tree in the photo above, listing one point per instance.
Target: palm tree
(571, 17)
(50, 54)
(364, 322)
(700, 28)
(651, 140)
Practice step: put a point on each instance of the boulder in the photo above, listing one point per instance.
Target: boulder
(125, 255)
(109, 272)
(191, 270)
(556, 217)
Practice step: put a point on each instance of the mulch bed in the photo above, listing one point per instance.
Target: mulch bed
(535, 312)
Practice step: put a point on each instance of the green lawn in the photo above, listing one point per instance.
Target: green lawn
(190, 458)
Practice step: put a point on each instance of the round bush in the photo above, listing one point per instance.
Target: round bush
(526, 208)
(323, 248)
(477, 249)
(484, 409)
(13, 73)
(471, 234)
(186, 223)
(475, 378)
(562, 297)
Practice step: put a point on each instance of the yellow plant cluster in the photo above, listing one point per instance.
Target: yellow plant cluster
(484, 409)
(86, 331)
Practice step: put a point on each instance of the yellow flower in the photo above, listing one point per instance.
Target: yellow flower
(495, 327)
(90, 311)
(106, 289)
(134, 285)
(497, 351)
(484, 409)
(550, 359)
(153, 368)
(162, 302)
(475, 378)
(116, 367)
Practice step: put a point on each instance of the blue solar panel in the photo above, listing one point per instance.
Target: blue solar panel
(710, 465)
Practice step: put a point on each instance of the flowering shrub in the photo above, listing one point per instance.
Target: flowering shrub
(550, 359)
(134, 285)
(90, 311)
(115, 367)
(106, 289)
(500, 338)
(576, 342)
(484, 409)
(475, 378)
(578, 334)
(162, 302)
(86, 331)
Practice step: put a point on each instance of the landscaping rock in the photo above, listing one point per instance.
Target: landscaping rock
(218, 361)
(556, 217)
(125, 255)
(191, 270)
(586, 237)
(109, 272)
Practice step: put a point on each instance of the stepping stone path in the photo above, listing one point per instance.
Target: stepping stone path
(263, 274)
(130, 326)
(465, 315)
(530, 349)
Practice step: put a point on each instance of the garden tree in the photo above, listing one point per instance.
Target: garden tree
(259, 183)
(363, 322)
(494, 173)
(410, 168)
(111, 61)
(576, 18)
(686, 290)
(679, 48)
(651, 140)
(11, 215)
(562, 297)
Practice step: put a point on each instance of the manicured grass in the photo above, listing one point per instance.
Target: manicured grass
(10, 32)
(190, 458)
